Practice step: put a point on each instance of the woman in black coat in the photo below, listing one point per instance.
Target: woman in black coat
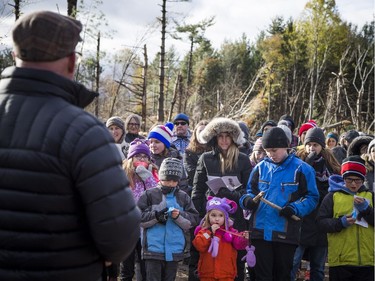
(224, 160)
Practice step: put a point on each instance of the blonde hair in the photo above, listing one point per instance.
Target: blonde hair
(229, 161)
(128, 166)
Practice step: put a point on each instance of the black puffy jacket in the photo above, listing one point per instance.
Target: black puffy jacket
(65, 205)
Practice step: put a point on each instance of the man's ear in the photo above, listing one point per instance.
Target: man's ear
(71, 63)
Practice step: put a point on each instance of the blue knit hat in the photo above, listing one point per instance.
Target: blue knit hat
(162, 133)
(181, 116)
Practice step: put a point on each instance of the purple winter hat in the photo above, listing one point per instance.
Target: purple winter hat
(222, 204)
(138, 146)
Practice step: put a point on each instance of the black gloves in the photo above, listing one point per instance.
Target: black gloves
(310, 158)
(287, 212)
(224, 192)
(162, 215)
(249, 203)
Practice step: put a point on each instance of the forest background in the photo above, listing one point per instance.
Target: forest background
(315, 67)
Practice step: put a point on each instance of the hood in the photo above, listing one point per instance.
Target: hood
(355, 146)
(336, 183)
(222, 125)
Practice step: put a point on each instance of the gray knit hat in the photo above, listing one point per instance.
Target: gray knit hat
(315, 135)
(117, 121)
(170, 169)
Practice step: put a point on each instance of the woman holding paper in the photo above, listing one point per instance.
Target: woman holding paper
(225, 165)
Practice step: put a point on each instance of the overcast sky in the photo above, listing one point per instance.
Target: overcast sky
(132, 19)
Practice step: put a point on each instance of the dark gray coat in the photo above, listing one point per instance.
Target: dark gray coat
(65, 205)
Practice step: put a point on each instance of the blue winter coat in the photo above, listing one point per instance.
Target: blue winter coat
(290, 183)
(166, 241)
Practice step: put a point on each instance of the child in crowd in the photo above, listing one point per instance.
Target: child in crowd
(258, 153)
(217, 241)
(167, 212)
(285, 181)
(142, 175)
(347, 215)
(312, 240)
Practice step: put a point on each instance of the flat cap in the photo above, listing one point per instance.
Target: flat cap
(45, 36)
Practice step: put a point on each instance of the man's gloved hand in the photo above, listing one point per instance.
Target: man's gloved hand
(162, 215)
(310, 158)
(287, 212)
(249, 203)
(143, 173)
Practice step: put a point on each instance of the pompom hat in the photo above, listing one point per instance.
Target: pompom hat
(353, 166)
(306, 126)
(139, 146)
(222, 204)
(162, 133)
(315, 135)
(222, 125)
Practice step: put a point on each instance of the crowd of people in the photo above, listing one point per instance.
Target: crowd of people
(85, 200)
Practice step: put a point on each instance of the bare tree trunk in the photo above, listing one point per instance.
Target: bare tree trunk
(144, 89)
(97, 78)
(72, 8)
(175, 93)
(162, 62)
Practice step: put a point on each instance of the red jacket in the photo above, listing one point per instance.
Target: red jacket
(224, 265)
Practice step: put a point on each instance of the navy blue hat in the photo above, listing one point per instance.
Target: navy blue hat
(181, 116)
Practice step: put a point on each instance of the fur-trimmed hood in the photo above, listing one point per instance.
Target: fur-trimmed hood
(355, 146)
(222, 125)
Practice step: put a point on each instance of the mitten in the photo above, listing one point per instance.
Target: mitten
(361, 206)
(287, 212)
(250, 256)
(344, 221)
(143, 173)
(249, 203)
(310, 158)
(162, 215)
(214, 247)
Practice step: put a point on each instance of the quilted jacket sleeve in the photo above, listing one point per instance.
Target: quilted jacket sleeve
(112, 215)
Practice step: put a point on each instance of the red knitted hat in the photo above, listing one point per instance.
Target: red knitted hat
(306, 126)
(353, 165)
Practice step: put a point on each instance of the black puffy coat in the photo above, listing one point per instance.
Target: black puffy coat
(209, 165)
(65, 205)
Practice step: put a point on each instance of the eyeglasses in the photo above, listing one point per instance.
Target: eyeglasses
(182, 123)
(133, 124)
(141, 156)
(350, 180)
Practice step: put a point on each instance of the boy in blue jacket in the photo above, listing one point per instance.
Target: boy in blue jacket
(288, 182)
(167, 213)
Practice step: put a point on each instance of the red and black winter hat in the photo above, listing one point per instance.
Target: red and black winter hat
(306, 126)
(353, 166)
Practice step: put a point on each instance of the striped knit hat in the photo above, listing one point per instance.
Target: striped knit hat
(162, 133)
(306, 126)
(353, 166)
